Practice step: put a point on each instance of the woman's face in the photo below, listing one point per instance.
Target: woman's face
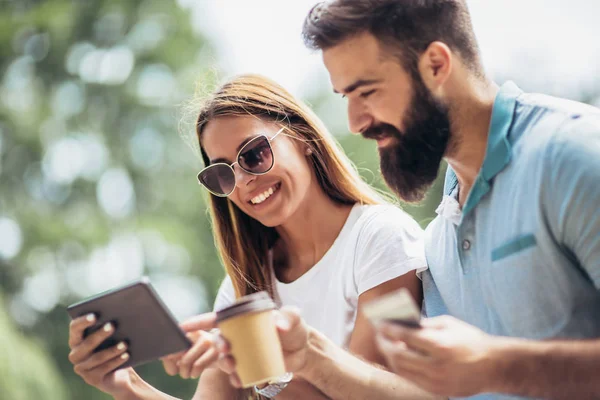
(275, 196)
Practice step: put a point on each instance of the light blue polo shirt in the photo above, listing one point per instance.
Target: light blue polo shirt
(522, 258)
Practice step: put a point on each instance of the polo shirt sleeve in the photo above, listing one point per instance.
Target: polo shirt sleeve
(572, 192)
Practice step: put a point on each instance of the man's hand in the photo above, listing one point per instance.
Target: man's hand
(293, 334)
(445, 356)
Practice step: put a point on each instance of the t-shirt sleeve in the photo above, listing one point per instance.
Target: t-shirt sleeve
(572, 192)
(225, 295)
(390, 244)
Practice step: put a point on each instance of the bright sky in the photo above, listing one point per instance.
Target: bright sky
(544, 45)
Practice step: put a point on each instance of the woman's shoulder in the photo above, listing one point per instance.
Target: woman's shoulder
(373, 218)
(225, 295)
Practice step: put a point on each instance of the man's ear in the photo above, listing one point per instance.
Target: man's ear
(435, 66)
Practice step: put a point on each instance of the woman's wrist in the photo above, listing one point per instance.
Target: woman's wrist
(136, 389)
(275, 387)
(128, 392)
(316, 352)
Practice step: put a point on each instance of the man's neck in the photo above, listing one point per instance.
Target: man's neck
(471, 117)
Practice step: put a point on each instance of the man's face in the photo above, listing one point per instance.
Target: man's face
(387, 104)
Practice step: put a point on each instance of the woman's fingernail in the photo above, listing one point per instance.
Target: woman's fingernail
(121, 346)
(90, 318)
(220, 344)
(282, 322)
(124, 356)
(107, 327)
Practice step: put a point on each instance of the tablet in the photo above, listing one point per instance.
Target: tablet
(140, 319)
(397, 307)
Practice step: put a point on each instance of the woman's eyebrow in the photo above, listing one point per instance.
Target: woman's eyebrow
(224, 160)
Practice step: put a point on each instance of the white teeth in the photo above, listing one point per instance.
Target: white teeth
(263, 196)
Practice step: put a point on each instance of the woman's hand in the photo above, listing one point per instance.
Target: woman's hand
(203, 353)
(190, 364)
(293, 336)
(96, 369)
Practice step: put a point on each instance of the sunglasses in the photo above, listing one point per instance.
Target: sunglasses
(255, 157)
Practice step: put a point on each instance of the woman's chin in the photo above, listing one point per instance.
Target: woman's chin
(271, 221)
(274, 218)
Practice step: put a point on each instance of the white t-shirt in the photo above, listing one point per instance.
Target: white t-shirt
(376, 244)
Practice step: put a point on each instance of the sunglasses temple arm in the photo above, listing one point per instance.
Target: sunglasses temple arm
(278, 132)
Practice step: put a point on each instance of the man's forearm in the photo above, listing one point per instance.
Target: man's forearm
(549, 369)
(340, 375)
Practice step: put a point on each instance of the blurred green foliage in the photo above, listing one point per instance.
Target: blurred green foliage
(26, 370)
(94, 174)
(96, 185)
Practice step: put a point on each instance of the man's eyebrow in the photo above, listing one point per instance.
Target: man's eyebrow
(226, 161)
(361, 82)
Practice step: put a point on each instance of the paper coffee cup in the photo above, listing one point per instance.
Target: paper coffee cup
(249, 326)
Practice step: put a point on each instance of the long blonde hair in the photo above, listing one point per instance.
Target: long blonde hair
(243, 242)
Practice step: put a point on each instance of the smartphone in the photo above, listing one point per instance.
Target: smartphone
(140, 319)
(397, 307)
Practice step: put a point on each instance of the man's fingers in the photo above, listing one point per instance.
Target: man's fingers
(202, 322)
(420, 339)
(401, 357)
(441, 322)
(77, 326)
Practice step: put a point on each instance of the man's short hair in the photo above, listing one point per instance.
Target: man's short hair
(404, 27)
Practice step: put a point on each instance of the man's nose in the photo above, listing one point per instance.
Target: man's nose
(359, 118)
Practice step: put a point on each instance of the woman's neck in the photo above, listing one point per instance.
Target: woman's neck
(308, 234)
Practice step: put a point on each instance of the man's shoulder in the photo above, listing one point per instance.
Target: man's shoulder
(546, 103)
(543, 116)
(544, 125)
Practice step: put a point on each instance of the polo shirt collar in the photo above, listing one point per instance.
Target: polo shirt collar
(498, 152)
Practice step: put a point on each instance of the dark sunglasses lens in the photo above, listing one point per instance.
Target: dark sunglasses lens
(257, 156)
(218, 179)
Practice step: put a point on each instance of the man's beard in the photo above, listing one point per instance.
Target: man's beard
(411, 161)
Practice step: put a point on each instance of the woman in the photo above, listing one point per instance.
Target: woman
(290, 216)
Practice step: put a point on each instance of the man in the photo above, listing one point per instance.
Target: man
(515, 250)
(512, 294)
